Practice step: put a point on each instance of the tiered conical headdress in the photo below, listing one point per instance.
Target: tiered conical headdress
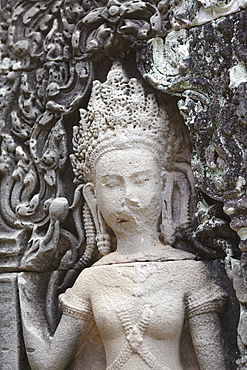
(119, 115)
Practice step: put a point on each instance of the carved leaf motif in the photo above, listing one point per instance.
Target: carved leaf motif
(50, 177)
(28, 208)
(116, 26)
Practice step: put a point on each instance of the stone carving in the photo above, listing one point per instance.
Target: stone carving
(140, 294)
(213, 85)
(113, 111)
(48, 63)
(47, 55)
(187, 14)
(50, 53)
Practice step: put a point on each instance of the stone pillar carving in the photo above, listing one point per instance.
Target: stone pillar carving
(50, 54)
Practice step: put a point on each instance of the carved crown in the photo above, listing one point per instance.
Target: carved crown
(119, 114)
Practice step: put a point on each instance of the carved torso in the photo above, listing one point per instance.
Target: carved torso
(140, 308)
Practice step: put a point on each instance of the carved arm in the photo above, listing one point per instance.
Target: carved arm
(58, 351)
(206, 337)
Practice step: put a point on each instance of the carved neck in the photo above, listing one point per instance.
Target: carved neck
(139, 243)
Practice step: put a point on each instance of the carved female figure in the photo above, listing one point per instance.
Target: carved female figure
(139, 295)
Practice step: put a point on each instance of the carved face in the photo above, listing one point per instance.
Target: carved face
(128, 190)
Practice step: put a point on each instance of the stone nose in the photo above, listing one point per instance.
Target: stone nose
(129, 199)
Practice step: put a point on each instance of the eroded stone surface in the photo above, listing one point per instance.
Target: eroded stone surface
(50, 53)
(11, 340)
(207, 66)
(140, 295)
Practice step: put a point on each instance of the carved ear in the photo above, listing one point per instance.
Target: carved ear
(89, 195)
(103, 239)
(176, 204)
(167, 223)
